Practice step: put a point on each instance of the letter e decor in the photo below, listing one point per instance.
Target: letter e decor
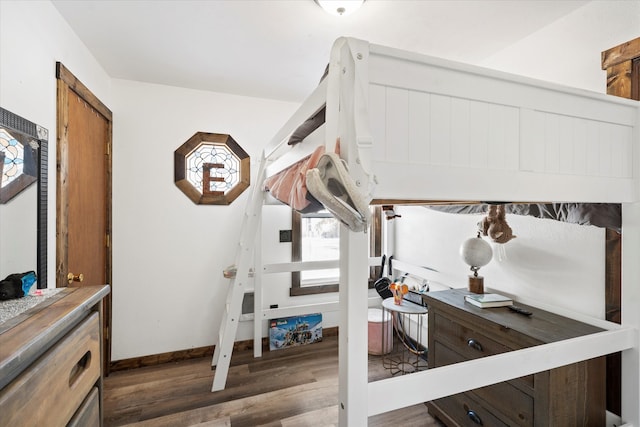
(211, 169)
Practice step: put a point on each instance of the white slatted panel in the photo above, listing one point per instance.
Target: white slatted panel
(559, 144)
(419, 124)
(566, 145)
(591, 147)
(397, 118)
(503, 136)
(579, 152)
(377, 121)
(551, 143)
(461, 154)
(440, 130)
(478, 134)
(430, 129)
(447, 131)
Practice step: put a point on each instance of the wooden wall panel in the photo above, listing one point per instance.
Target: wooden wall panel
(619, 62)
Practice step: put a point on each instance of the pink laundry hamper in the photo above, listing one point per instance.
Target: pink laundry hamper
(376, 327)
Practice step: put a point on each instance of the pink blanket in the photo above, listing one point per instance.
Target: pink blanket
(289, 186)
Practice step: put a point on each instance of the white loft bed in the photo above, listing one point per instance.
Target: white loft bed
(416, 129)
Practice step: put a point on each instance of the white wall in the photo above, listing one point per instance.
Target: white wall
(549, 262)
(168, 253)
(568, 50)
(33, 36)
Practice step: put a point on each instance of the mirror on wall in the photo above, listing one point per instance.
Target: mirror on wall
(23, 196)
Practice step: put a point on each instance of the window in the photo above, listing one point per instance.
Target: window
(316, 237)
(211, 169)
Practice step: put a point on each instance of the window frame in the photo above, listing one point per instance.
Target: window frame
(375, 250)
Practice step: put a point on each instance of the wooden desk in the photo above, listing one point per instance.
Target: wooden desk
(51, 362)
(569, 395)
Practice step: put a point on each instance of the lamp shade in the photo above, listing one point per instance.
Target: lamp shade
(476, 252)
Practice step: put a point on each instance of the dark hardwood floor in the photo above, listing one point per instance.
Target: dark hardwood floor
(290, 388)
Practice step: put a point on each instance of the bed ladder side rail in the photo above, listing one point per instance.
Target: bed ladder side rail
(238, 283)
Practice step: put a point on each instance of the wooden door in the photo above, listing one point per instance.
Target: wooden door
(83, 224)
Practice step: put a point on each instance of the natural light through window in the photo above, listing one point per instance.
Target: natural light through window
(320, 242)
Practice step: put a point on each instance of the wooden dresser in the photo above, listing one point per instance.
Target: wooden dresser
(572, 395)
(51, 362)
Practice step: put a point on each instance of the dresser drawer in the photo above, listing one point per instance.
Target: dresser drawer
(465, 411)
(89, 412)
(469, 343)
(464, 340)
(514, 404)
(54, 387)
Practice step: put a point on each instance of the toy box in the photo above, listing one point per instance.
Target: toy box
(294, 331)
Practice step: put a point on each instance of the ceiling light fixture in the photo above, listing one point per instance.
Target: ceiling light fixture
(340, 7)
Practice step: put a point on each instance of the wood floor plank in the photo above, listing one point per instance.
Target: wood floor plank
(326, 417)
(285, 388)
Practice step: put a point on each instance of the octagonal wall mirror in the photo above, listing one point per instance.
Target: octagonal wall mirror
(23, 208)
(211, 169)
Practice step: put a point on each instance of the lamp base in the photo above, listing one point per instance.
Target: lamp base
(476, 284)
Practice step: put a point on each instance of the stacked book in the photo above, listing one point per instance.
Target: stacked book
(488, 300)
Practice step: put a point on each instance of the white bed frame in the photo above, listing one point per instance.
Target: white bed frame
(416, 128)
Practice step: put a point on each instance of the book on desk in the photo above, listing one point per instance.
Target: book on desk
(488, 300)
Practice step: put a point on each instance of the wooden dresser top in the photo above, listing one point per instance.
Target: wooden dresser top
(542, 326)
(35, 331)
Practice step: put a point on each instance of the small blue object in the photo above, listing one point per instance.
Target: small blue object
(27, 281)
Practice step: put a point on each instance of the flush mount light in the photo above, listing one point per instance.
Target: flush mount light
(340, 7)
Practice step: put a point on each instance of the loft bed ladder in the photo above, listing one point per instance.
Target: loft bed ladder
(238, 284)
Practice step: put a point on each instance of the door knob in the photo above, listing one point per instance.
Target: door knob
(75, 277)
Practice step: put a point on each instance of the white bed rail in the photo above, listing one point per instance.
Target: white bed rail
(457, 378)
(309, 107)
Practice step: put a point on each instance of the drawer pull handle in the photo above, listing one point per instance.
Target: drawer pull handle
(474, 417)
(474, 344)
(79, 368)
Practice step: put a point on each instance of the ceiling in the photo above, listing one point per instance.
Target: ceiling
(278, 48)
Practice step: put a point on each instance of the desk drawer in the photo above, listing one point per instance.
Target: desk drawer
(52, 389)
